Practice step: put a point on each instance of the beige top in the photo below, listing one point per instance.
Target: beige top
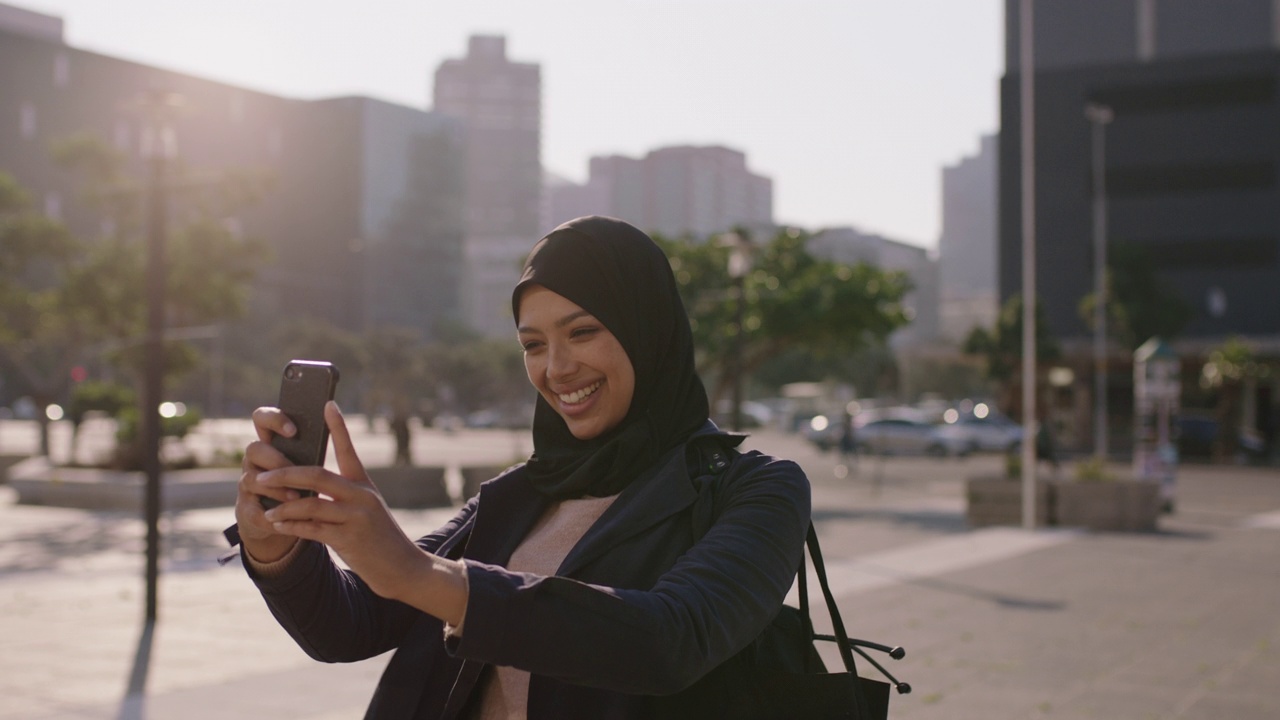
(505, 694)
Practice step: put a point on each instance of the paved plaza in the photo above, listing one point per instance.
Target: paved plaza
(997, 622)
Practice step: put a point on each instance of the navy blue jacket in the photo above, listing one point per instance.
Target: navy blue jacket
(635, 616)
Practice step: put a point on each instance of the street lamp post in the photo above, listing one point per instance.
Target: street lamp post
(1099, 116)
(159, 148)
(739, 267)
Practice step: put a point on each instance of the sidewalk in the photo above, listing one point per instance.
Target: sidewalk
(997, 623)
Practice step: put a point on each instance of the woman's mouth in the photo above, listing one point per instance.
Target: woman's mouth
(578, 396)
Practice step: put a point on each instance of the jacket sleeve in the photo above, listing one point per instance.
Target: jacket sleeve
(709, 605)
(331, 613)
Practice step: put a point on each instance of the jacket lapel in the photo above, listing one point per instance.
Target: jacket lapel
(649, 500)
(508, 509)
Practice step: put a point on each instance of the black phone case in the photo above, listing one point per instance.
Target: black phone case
(305, 387)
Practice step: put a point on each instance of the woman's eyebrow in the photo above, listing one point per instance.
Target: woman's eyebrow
(571, 317)
(559, 323)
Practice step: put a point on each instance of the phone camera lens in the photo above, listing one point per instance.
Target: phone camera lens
(292, 373)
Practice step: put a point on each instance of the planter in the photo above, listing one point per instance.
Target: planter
(998, 501)
(7, 461)
(411, 487)
(37, 482)
(474, 475)
(1108, 505)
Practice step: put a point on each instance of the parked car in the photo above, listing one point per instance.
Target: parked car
(993, 432)
(888, 431)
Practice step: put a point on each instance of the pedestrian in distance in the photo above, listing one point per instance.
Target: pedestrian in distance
(622, 571)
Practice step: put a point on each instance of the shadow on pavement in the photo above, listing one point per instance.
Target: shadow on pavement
(938, 521)
(134, 705)
(87, 535)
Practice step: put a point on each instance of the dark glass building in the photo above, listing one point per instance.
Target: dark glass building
(1191, 175)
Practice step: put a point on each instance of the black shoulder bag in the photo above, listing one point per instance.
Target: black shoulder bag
(781, 676)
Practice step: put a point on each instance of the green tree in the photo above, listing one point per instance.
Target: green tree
(1001, 349)
(1227, 371)
(88, 302)
(1142, 305)
(42, 328)
(793, 300)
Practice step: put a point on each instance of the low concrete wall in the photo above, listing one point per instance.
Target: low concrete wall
(411, 487)
(1125, 505)
(37, 482)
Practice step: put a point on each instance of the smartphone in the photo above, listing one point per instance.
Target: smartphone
(305, 387)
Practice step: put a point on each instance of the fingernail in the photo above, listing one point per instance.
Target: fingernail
(270, 514)
(289, 429)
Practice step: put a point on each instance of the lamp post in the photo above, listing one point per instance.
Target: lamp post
(159, 147)
(1026, 97)
(1099, 116)
(739, 268)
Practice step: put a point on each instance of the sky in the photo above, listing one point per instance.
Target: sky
(853, 107)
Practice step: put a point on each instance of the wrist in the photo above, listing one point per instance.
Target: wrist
(269, 549)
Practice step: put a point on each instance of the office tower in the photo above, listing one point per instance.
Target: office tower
(499, 104)
(967, 246)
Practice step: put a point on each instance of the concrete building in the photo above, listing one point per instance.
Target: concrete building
(1192, 167)
(849, 245)
(672, 191)
(499, 104)
(967, 290)
(362, 217)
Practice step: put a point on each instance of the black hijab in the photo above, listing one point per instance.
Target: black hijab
(616, 272)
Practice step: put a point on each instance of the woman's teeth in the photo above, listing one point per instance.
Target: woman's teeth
(578, 396)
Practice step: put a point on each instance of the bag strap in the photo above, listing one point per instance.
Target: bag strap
(837, 624)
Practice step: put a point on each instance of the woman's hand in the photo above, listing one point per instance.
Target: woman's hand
(352, 518)
(260, 538)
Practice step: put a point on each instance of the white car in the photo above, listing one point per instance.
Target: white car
(992, 432)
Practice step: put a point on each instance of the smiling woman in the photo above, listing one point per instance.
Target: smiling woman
(619, 572)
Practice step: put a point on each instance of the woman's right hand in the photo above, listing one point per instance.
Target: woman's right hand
(257, 534)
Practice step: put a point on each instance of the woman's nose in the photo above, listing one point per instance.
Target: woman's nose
(560, 362)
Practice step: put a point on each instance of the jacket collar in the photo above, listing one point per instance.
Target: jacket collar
(509, 507)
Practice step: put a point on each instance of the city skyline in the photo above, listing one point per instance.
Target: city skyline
(854, 120)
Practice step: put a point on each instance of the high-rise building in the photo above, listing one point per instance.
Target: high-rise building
(672, 191)
(968, 296)
(1192, 160)
(499, 103)
(362, 218)
(1191, 167)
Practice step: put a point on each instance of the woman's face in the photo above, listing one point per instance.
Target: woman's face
(575, 362)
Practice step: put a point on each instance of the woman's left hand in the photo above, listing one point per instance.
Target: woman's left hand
(352, 518)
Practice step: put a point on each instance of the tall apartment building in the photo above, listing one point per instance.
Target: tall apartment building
(967, 290)
(672, 191)
(499, 104)
(362, 219)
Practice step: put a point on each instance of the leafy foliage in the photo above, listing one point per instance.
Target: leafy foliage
(1141, 305)
(1001, 346)
(792, 300)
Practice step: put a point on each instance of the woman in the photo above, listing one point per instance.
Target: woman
(632, 555)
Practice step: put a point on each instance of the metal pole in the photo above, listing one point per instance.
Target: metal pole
(738, 342)
(158, 147)
(1027, 99)
(1099, 116)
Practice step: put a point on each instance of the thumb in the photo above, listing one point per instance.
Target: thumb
(349, 465)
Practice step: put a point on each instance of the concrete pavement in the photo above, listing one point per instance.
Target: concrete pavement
(998, 623)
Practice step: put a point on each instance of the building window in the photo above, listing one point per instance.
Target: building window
(61, 70)
(122, 136)
(275, 143)
(53, 206)
(27, 122)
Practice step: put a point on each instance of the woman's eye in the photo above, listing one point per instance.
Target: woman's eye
(531, 345)
(583, 332)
